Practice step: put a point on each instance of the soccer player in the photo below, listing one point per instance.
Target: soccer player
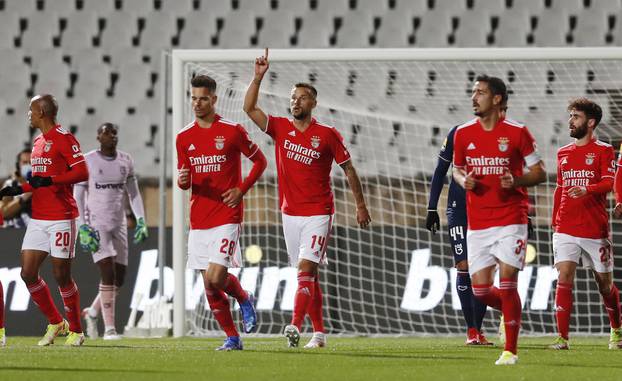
(57, 164)
(490, 153)
(473, 310)
(585, 174)
(103, 225)
(209, 163)
(305, 150)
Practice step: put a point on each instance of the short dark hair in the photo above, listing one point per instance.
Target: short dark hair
(591, 109)
(203, 80)
(106, 124)
(496, 86)
(308, 86)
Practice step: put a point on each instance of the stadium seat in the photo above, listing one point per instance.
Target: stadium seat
(48, 66)
(216, 8)
(258, 7)
(16, 85)
(488, 7)
(434, 30)
(120, 28)
(333, 8)
(609, 7)
(297, 7)
(80, 29)
(61, 6)
(101, 7)
(316, 31)
(473, 30)
(449, 7)
(238, 29)
(356, 28)
(93, 80)
(513, 26)
(159, 28)
(278, 29)
(552, 28)
(374, 7)
(20, 8)
(40, 30)
(591, 28)
(9, 29)
(138, 7)
(532, 7)
(572, 7)
(70, 111)
(179, 7)
(411, 7)
(395, 29)
(133, 83)
(199, 28)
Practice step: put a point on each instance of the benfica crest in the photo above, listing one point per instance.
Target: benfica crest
(220, 142)
(48, 146)
(503, 144)
(589, 158)
(315, 141)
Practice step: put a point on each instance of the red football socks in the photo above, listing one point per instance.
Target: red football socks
(315, 308)
(71, 300)
(304, 296)
(563, 308)
(612, 304)
(219, 304)
(40, 294)
(232, 287)
(511, 309)
(488, 294)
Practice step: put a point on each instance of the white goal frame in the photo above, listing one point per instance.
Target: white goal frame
(181, 57)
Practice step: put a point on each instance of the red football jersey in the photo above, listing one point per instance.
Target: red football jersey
(586, 216)
(54, 153)
(489, 154)
(213, 156)
(304, 161)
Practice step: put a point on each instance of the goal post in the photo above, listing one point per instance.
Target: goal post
(394, 108)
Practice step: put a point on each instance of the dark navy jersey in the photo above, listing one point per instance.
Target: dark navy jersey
(456, 198)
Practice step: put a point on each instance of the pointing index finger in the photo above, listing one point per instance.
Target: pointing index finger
(266, 54)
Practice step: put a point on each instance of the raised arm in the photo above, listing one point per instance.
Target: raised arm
(362, 214)
(252, 93)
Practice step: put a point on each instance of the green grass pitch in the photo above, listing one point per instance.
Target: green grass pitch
(388, 359)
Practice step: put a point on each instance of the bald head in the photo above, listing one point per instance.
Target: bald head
(47, 106)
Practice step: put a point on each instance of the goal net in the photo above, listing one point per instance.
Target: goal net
(394, 109)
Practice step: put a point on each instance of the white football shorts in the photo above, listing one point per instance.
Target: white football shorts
(595, 254)
(112, 243)
(500, 243)
(306, 237)
(57, 238)
(218, 245)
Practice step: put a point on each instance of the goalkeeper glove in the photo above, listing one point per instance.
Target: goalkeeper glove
(89, 238)
(40, 181)
(11, 190)
(140, 233)
(432, 221)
